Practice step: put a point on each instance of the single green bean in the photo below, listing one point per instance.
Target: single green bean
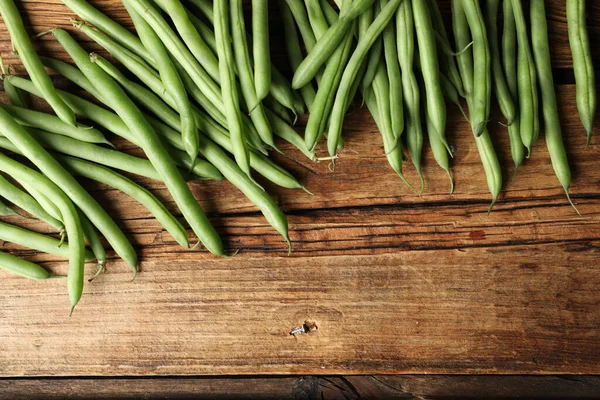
(352, 69)
(376, 53)
(262, 48)
(543, 62)
(436, 106)
(106, 24)
(5, 209)
(294, 52)
(280, 110)
(73, 74)
(150, 143)
(503, 96)
(171, 81)
(14, 95)
(327, 44)
(22, 44)
(583, 66)
(462, 37)
(42, 199)
(23, 268)
(406, 55)
(528, 91)
(205, 7)
(78, 253)
(245, 72)
(509, 64)
(51, 123)
(448, 63)
(394, 75)
(91, 235)
(482, 78)
(117, 181)
(24, 200)
(228, 89)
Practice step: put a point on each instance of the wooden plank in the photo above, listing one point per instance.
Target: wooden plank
(409, 387)
(396, 282)
(477, 310)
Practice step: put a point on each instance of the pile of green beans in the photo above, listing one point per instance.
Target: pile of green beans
(199, 95)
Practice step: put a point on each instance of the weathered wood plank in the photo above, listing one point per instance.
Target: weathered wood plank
(307, 388)
(477, 310)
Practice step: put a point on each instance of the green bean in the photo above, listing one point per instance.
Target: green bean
(205, 7)
(543, 62)
(436, 107)
(23, 268)
(14, 95)
(50, 123)
(47, 205)
(342, 97)
(262, 48)
(585, 79)
(190, 36)
(451, 93)
(127, 39)
(25, 201)
(485, 147)
(376, 53)
(406, 54)
(150, 143)
(73, 74)
(503, 96)
(179, 51)
(245, 72)
(77, 253)
(33, 65)
(509, 63)
(5, 210)
(395, 77)
(528, 95)
(117, 181)
(228, 89)
(482, 79)
(278, 109)
(239, 179)
(91, 235)
(447, 61)
(440, 153)
(299, 13)
(327, 44)
(294, 52)
(171, 81)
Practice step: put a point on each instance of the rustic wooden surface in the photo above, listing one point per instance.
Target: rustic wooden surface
(394, 281)
(404, 387)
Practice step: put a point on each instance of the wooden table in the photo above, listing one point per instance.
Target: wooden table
(395, 282)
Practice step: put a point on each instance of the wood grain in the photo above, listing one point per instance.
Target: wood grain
(396, 282)
(387, 387)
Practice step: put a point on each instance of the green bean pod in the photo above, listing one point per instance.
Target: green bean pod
(482, 78)
(150, 143)
(543, 62)
(527, 82)
(91, 235)
(24, 200)
(117, 181)
(342, 97)
(14, 95)
(406, 54)
(583, 66)
(294, 51)
(262, 48)
(503, 96)
(509, 64)
(23, 268)
(22, 44)
(376, 53)
(436, 106)
(51, 123)
(245, 73)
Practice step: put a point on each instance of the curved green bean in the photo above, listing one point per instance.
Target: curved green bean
(23, 268)
(150, 143)
(245, 72)
(91, 235)
(14, 95)
(543, 62)
(262, 48)
(22, 44)
(585, 79)
(117, 181)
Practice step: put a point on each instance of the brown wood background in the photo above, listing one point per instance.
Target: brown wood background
(396, 282)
